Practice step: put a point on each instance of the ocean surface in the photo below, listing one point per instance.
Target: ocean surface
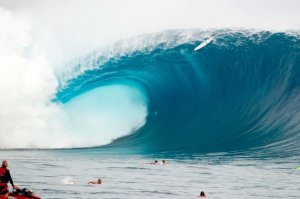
(129, 176)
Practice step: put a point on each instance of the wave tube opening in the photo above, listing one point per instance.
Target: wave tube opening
(103, 114)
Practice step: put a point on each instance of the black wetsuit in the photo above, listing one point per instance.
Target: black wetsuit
(5, 177)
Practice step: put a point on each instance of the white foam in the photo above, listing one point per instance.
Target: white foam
(27, 84)
(68, 180)
(28, 117)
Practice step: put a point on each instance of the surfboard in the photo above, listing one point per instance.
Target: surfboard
(203, 44)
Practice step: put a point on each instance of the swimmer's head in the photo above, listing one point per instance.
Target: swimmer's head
(4, 163)
(202, 194)
(155, 161)
(164, 161)
(99, 181)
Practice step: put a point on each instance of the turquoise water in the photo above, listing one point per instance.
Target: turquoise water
(239, 93)
(128, 176)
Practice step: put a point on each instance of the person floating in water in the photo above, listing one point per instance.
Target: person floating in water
(155, 162)
(4, 179)
(163, 162)
(98, 181)
(202, 195)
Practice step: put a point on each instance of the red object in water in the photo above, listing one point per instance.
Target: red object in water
(24, 194)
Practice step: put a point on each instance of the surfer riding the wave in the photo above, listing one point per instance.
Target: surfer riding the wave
(5, 177)
(210, 39)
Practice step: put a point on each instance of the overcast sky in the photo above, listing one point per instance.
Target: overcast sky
(92, 23)
(271, 14)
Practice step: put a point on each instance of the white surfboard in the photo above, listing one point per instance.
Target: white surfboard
(203, 44)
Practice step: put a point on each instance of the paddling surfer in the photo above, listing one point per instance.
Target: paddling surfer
(98, 181)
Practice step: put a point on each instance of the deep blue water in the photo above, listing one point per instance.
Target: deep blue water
(240, 93)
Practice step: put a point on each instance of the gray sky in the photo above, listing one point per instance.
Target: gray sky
(88, 24)
(157, 14)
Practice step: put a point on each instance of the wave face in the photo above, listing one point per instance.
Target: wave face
(240, 92)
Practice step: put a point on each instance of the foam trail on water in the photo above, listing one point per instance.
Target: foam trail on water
(68, 180)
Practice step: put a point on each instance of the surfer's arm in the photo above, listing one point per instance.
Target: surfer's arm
(10, 179)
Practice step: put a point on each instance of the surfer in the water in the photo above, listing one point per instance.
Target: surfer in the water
(202, 195)
(155, 162)
(4, 179)
(163, 162)
(98, 181)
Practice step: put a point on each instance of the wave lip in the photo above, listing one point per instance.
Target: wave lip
(240, 92)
